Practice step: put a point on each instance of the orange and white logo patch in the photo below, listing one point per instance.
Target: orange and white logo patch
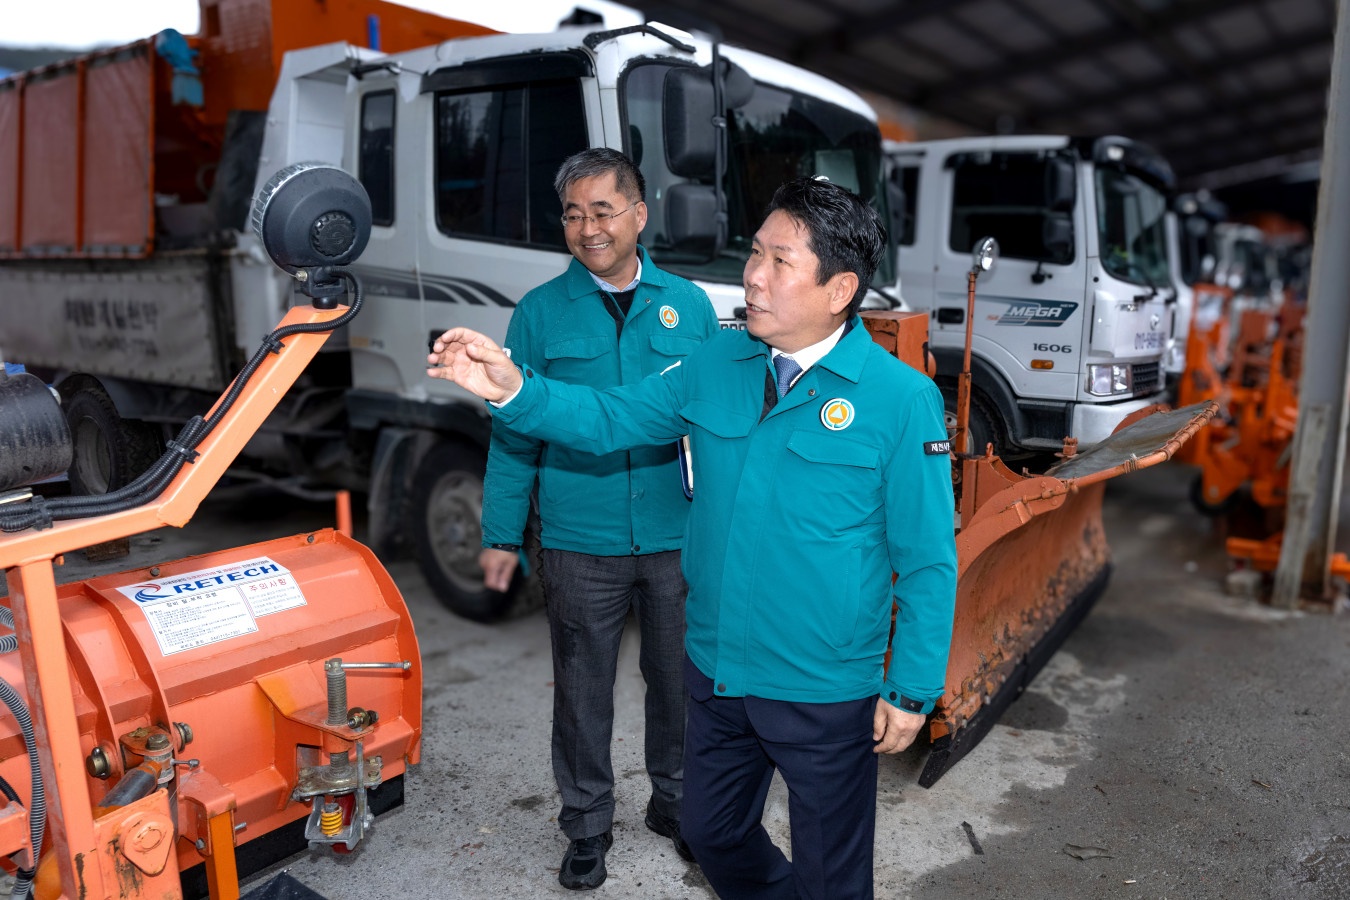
(836, 414)
(669, 317)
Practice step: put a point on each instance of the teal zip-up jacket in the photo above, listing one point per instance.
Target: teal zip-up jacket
(619, 503)
(798, 520)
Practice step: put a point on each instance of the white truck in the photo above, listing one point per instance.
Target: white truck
(457, 145)
(1192, 257)
(1072, 323)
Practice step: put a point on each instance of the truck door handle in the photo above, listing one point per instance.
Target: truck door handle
(951, 315)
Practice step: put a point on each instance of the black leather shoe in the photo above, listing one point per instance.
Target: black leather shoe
(583, 866)
(668, 827)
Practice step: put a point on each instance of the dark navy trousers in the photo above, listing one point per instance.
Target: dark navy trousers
(824, 752)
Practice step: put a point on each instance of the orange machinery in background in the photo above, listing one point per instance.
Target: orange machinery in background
(162, 134)
(268, 693)
(1251, 369)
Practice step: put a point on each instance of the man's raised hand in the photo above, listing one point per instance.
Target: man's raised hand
(475, 363)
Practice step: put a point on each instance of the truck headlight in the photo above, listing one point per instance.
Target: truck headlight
(1107, 381)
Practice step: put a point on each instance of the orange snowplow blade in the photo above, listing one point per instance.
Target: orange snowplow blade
(1032, 559)
(1031, 553)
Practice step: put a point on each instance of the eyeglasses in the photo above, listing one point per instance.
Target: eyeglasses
(600, 219)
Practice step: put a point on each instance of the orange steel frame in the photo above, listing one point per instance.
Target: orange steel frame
(28, 559)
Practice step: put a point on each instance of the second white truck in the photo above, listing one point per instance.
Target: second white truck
(1072, 323)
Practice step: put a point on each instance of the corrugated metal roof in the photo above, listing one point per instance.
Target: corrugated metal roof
(1229, 90)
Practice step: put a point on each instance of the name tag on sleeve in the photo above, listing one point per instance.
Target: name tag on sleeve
(937, 448)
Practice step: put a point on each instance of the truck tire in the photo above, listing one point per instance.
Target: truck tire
(985, 426)
(446, 512)
(108, 451)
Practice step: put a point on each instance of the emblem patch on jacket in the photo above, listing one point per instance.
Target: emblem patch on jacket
(669, 317)
(836, 414)
(937, 448)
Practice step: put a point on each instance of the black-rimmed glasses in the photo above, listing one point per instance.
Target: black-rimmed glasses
(600, 219)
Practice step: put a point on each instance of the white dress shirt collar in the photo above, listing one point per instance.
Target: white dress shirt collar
(606, 286)
(809, 356)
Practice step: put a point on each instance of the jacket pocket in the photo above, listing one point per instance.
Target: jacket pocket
(831, 449)
(578, 348)
(573, 359)
(676, 346)
(717, 420)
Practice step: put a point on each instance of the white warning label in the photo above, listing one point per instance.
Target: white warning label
(210, 605)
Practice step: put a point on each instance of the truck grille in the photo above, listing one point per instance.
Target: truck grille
(1146, 379)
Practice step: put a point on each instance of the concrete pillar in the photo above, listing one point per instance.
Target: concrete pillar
(1319, 444)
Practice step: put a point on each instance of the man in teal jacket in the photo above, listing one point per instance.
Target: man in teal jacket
(821, 467)
(610, 525)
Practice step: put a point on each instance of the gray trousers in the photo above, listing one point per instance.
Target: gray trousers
(588, 600)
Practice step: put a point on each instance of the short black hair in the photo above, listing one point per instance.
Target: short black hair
(602, 161)
(843, 231)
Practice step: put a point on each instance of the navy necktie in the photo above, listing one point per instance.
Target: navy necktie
(787, 369)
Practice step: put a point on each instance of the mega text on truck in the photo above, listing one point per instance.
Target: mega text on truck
(457, 145)
(1071, 325)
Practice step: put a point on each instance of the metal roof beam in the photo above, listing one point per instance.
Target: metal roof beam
(1287, 46)
(1084, 46)
(891, 18)
(1240, 113)
(1218, 153)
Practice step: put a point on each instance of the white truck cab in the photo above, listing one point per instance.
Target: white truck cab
(1072, 322)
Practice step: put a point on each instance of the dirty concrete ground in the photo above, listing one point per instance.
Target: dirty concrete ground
(1189, 744)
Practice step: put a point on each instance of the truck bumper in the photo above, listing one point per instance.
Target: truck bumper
(1094, 422)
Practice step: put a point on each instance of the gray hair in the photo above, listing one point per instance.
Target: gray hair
(602, 161)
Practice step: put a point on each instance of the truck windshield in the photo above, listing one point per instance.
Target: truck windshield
(1131, 234)
(777, 136)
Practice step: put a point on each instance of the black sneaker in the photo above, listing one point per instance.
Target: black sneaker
(668, 827)
(583, 866)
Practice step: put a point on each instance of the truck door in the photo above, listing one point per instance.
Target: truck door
(472, 222)
(1029, 308)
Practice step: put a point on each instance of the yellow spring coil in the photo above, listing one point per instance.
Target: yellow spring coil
(330, 819)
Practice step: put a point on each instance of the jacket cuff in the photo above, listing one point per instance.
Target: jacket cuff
(892, 695)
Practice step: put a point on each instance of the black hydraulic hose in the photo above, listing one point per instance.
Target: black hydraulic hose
(8, 642)
(9, 791)
(40, 513)
(272, 344)
(37, 810)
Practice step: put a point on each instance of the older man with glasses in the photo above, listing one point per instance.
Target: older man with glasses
(611, 524)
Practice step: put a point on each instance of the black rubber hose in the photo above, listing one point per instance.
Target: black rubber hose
(40, 514)
(37, 810)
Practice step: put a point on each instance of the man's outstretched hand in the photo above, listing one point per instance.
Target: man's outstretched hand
(475, 363)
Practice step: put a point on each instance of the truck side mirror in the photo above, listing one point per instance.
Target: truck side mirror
(1060, 188)
(691, 217)
(687, 111)
(1057, 237)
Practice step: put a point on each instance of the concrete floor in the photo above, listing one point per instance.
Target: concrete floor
(1195, 740)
